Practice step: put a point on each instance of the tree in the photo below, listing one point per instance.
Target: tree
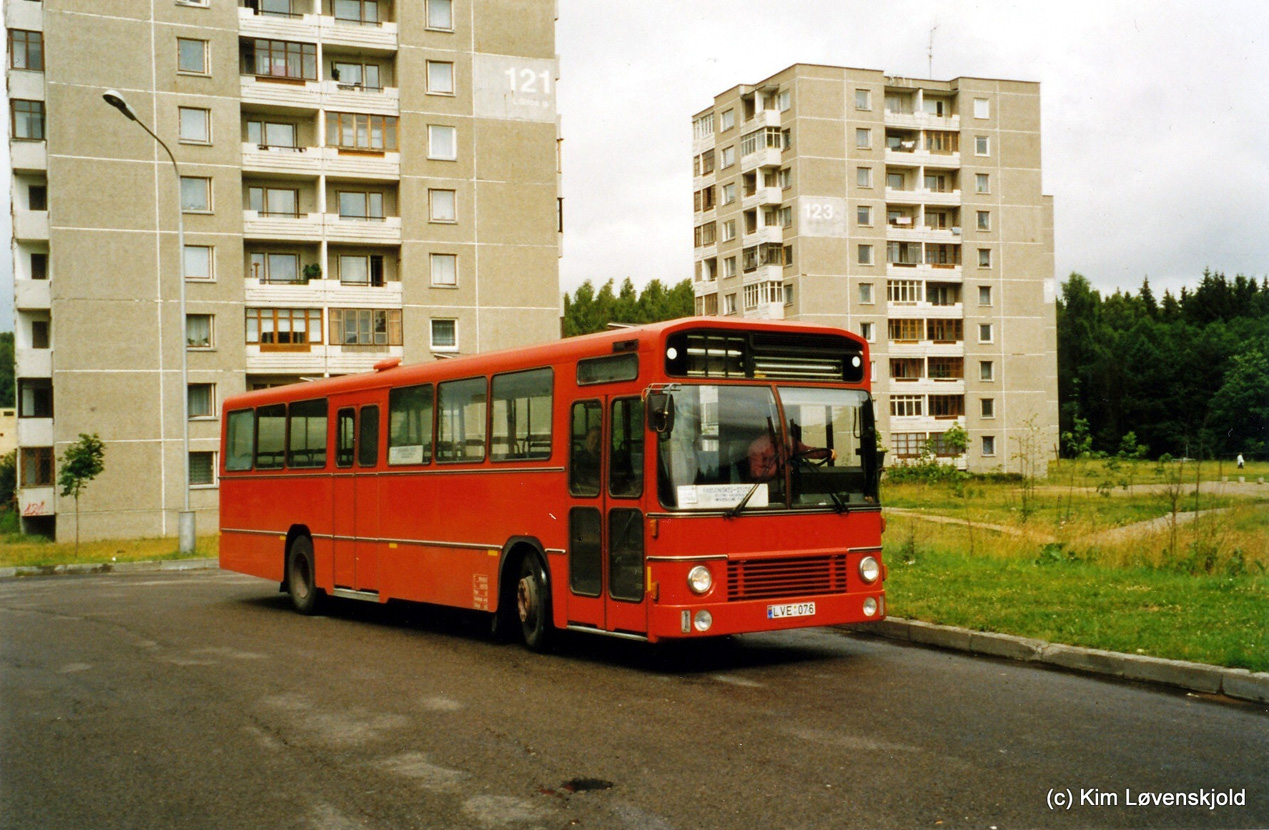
(588, 310)
(8, 479)
(83, 461)
(1241, 405)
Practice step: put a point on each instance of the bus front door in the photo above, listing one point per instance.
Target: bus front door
(605, 522)
(355, 499)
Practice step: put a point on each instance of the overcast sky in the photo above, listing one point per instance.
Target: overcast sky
(1155, 121)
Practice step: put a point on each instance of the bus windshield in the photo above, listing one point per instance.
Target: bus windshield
(729, 445)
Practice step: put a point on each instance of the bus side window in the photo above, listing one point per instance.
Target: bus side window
(240, 439)
(585, 444)
(345, 437)
(368, 448)
(410, 425)
(270, 436)
(521, 424)
(306, 434)
(460, 432)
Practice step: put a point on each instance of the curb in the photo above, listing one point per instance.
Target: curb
(1195, 677)
(110, 568)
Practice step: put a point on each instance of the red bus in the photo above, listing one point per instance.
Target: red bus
(693, 478)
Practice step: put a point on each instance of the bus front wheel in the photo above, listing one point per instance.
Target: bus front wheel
(533, 603)
(301, 576)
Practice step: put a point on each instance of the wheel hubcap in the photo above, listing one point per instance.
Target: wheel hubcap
(526, 599)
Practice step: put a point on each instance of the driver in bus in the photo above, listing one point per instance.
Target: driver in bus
(765, 462)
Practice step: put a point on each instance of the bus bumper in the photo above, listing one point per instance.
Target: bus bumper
(713, 619)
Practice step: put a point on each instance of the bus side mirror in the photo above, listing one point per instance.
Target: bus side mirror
(660, 412)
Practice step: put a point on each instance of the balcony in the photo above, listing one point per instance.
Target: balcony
(36, 501)
(767, 233)
(30, 225)
(764, 273)
(763, 157)
(361, 164)
(29, 16)
(269, 91)
(303, 227)
(922, 121)
(31, 295)
(28, 156)
(385, 231)
(922, 233)
(923, 196)
(765, 118)
(763, 196)
(319, 360)
(765, 311)
(33, 363)
(261, 158)
(316, 293)
(303, 27)
(343, 97)
(35, 432)
(377, 36)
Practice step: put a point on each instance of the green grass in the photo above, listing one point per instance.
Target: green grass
(17, 550)
(1165, 609)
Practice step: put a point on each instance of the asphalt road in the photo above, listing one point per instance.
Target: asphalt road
(199, 700)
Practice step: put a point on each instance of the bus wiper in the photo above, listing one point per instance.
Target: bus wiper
(740, 505)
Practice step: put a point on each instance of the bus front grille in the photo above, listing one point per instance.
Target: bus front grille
(773, 578)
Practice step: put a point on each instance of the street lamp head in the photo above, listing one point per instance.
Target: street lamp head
(114, 99)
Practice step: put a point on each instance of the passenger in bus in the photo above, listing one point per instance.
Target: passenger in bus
(586, 461)
(765, 463)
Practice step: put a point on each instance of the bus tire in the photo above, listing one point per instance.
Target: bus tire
(533, 603)
(301, 576)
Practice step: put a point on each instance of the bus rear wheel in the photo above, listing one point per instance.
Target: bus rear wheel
(301, 576)
(533, 603)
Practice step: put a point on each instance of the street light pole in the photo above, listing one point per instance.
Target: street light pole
(185, 523)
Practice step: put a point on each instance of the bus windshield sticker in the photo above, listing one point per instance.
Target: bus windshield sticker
(715, 496)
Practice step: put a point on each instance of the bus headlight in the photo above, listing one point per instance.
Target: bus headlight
(869, 569)
(700, 580)
(703, 621)
(870, 607)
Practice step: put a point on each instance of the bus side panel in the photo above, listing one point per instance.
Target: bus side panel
(426, 517)
(249, 541)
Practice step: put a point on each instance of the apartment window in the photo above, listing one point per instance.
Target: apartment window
(191, 56)
(982, 108)
(729, 304)
(361, 205)
(365, 76)
(906, 330)
(26, 50)
(284, 329)
(984, 220)
(947, 368)
(444, 269)
(945, 331)
(785, 178)
(274, 201)
(35, 398)
(729, 230)
(198, 331)
(703, 126)
(440, 77)
(28, 120)
(195, 125)
(440, 14)
(705, 163)
(200, 399)
(907, 444)
(866, 293)
(868, 331)
(729, 264)
(202, 468)
(39, 266)
(365, 327)
(905, 292)
(988, 407)
(272, 134)
(865, 255)
(906, 368)
(727, 120)
(985, 334)
(37, 467)
(37, 197)
(982, 145)
(863, 99)
(947, 406)
(442, 142)
(984, 257)
(863, 176)
(863, 215)
(442, 205)
(196, 194)
(989, 445)
(784, 100)
(896, 181)
(358, 131)
(728, 157)
(357, 11)
(986, 370)
(274, 268)
(39, 334)
(984, 295)
(704, 234)
(943, 293)
(729, 193)
(361, 269)
(281, 8)
(444, 335)
(863, 138)
(280, 59)
(906, 406)
(198, 262)
(982, 183)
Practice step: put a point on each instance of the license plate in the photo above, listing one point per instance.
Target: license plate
(797, 609)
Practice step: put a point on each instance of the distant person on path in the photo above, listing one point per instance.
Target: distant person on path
(1240, 461)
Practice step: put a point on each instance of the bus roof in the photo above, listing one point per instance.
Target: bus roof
(557, 351)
